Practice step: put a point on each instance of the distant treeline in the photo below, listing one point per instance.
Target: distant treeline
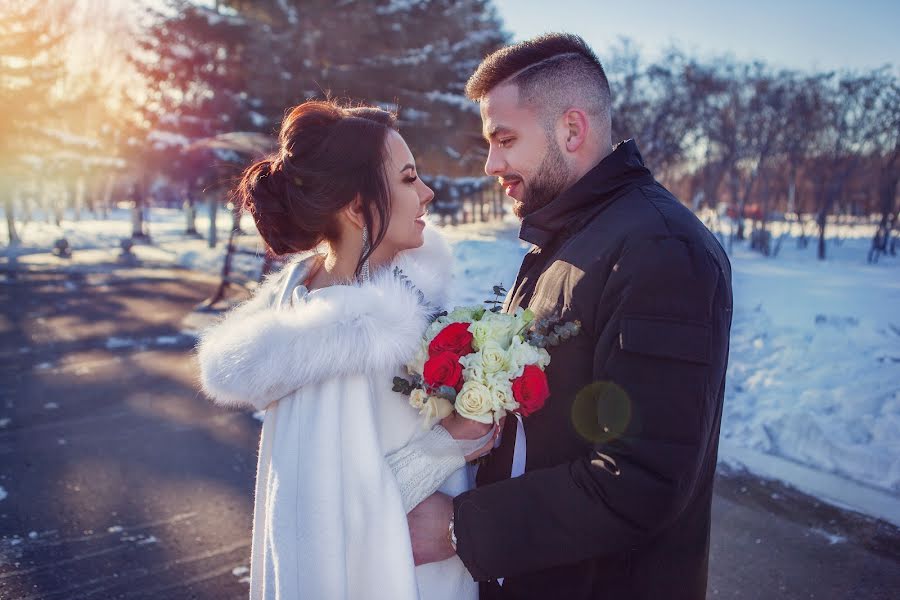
(742, 138)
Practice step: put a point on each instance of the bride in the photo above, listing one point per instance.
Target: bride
(342, 458)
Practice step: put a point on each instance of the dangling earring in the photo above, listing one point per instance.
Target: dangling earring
(364, 272)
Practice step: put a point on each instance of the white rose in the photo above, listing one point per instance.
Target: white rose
(464, 314)
(522, 354)
(473, 371)
(493, 327)
(474, 401)
(417, 398)
(493, 358)
(435, 409)
(502, 395)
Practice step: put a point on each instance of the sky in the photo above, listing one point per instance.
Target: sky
(794, 34)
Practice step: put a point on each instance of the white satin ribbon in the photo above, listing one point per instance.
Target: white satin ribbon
(518, 461)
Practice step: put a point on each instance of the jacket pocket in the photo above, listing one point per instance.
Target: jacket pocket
(667, 338)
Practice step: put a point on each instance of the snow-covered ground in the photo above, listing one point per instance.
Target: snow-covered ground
(813, 393)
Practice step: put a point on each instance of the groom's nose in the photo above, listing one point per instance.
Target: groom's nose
(494, 165)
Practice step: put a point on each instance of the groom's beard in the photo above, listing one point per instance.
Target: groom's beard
(550, 180)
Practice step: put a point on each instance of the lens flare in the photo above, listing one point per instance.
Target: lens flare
(601, 412)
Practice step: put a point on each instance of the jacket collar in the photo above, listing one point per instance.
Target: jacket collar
(622, 168)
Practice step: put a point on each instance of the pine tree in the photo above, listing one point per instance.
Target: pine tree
(271, 54)
(191, 58)
(30, 65)
(412, 55)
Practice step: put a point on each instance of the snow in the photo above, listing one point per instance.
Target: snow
(68, 139)
(116, 342)
(258, 119)
(395, 6)
(181, 51)
(456, 100)
(813, 389)
(167, 139)
(831, 537)
(815, 362)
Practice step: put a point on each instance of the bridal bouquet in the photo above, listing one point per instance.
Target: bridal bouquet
(482, 363)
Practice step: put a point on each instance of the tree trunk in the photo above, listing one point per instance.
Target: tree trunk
(190, 214)
(106, 202)
(137, 214)
(236, 219)
(737, 201)
(831, 192)
(78, 198)
(59, 203)
(27, 200)
(213, 205)
(8, 207)
(887, 191)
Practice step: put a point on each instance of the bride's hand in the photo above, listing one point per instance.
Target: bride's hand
(462, 428)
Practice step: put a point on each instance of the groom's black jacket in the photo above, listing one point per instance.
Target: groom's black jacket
(638, 393)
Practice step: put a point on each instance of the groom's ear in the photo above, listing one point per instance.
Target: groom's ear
(576, 126)
(354, 213)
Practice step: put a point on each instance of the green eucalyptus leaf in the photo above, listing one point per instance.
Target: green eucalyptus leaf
(445, 391)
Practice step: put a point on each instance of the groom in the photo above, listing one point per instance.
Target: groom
(617, 487)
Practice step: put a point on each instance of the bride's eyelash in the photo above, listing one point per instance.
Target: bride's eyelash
(411, 179)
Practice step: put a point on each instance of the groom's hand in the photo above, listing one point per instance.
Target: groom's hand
(429, 529)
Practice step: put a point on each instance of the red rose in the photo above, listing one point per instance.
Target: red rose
(454, 338)
(443, 369)
(531, 390)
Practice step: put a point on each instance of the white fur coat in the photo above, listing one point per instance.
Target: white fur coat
(328, 518)
(258, 355)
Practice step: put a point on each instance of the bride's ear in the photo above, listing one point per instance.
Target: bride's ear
(353, 213)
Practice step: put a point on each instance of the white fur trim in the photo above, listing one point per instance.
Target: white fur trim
(260, 353)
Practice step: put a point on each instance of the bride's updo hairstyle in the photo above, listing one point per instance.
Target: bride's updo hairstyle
(327, 155)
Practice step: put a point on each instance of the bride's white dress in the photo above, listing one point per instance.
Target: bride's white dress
(340, 453)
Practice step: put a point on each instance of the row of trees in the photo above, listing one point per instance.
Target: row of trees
(719, 132)
(763, 140)
(197, 69)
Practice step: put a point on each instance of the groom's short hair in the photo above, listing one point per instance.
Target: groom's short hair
(554, 71)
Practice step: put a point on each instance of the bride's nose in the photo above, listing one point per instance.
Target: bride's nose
(426, 195)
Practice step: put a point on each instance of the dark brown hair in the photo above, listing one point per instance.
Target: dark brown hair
(327, 155)
(544, 69)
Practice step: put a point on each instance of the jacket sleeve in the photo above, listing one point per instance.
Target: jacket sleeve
(646, 422)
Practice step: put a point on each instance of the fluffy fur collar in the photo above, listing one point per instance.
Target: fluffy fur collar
(262, 351)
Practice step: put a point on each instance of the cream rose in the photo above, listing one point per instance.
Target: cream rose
(417, 398)
(434, 409)
(474, 401)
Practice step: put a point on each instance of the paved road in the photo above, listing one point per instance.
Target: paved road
(120, 481)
